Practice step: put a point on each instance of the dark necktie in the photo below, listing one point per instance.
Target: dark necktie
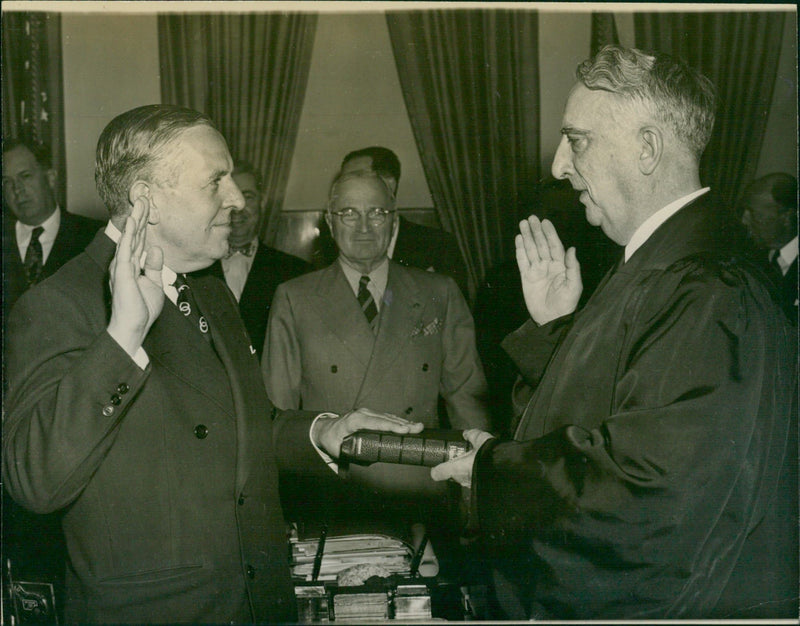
(367, 303)
(188, 306)
(34, 257)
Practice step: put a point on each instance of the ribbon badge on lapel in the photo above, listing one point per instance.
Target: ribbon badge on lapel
(431, 328)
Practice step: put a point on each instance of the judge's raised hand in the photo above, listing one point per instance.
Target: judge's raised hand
(551, 278)
(137, 295)
(328, 434)
(460, 468)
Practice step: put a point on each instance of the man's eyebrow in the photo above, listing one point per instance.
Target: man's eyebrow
(571, 130)
(217, 174)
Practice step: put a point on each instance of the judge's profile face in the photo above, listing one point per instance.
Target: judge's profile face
(597, 155)
(190, 214)
(358, 220)
(28, 186)
(245, 221)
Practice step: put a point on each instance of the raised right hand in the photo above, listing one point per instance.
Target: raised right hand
(551, 278)
(137, 295)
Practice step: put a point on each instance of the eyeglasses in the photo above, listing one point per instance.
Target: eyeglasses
(375, 216)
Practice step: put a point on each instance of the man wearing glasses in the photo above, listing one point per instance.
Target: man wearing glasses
(368, 332)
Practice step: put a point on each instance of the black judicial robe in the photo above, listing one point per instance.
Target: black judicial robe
(651, 449)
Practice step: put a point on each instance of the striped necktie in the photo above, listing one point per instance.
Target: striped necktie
(367, 303)
(188, 306)
(34, 257)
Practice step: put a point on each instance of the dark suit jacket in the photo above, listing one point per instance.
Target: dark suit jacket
(646, 461)
(73, 236)
(270, 268)
(167, 476)
(430, 248)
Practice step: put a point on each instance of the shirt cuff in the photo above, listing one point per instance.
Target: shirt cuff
(325, 457)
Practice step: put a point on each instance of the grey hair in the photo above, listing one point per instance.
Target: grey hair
(669, 90)
(131, 146)
(362, 175)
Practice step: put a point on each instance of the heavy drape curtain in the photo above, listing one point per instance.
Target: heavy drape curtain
(470, 83)
(249, 74)
(33, 102)
(739, 53)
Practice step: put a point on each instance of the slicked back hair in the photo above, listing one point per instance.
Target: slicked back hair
(669, 90)
(40, 151)
(131, 147)
(384, 161)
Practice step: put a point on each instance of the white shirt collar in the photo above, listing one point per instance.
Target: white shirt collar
(168, 276)
(651, 224)
(378, 278)
(47, 238)
(787, 255)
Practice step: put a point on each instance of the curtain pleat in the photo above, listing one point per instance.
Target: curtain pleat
(32, 77)
(249, 74)
(739, 53)
(470, 84)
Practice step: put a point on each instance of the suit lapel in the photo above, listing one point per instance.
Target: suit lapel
(401, 311)
(233, 347)
(338, 309)
(180, 348)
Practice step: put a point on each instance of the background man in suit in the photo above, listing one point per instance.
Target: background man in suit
(642, 479)
(251, 269)
(38, 238)
(412, 244)
(366, 331)
(146, 421)
(769, 212)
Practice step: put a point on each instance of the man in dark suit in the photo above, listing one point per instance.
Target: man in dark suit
(652, 471)
(412, 245)
(251, 269)
(30, 254)
(769, 211)
(38, 238)
(136, 405)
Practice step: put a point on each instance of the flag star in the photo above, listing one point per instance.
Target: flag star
(45, 117)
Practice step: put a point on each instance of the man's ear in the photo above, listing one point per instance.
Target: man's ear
(328, 221)
(651, 143)
(139, 189)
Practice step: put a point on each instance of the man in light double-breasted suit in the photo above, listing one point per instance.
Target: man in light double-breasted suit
(367, 332)
(322, 350)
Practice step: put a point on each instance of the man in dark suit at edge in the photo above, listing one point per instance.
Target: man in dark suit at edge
(769, 213)
(136, 405)
(647, 472)
(38, 238)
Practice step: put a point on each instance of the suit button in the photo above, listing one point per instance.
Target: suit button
(108, 410)
(424, 367)
(116, 399)
(251, 572)
(334, 369)
(200, 431)
(273, 413)
(409, 410)
(123, 388)
(241, 500)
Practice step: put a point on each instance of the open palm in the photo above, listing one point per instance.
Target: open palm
(551, 278)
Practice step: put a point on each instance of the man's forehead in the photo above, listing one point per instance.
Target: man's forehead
(361, 189)
(20, 156)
